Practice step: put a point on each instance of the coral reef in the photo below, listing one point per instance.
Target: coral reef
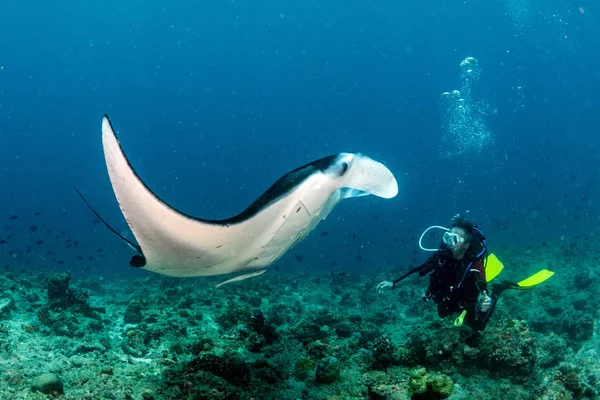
(288, 336)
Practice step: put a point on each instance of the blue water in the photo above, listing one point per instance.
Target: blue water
(214, 101)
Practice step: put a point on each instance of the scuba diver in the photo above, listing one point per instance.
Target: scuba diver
(460, 271)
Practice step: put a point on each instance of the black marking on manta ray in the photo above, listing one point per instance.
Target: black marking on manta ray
(280, 188)
(308, 212)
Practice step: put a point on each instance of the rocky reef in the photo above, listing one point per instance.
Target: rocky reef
(292, 336)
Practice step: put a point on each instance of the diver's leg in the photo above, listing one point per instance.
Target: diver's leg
(476, 320)
(443, 310)
(496, 290)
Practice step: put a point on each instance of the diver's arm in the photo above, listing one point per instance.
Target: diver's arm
(406, 275)
(422, 269)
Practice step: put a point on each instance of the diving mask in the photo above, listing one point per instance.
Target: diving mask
(450, 239)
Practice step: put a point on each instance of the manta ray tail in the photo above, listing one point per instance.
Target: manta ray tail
(128, 242)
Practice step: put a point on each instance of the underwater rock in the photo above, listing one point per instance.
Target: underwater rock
(309, 332)
(388, 392)
(134, 312)
(13, 376)
(328, 370)
(374, 379)
(343, 330)
(147, 394)
(232, 315)
(78, 298)
(556, 391)
(47, 384)
(383, 351)
(199, 385)
(133, 343)
(107, 371)
(231, 368)
(5, 307)
(509, 350)
(89, 347)
(304, 367)
(266, 373)
(259, 324)
(552, 349)
(58, 284)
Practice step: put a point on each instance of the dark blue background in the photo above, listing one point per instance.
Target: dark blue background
(215, 100)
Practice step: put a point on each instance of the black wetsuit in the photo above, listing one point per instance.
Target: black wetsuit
(455, 285)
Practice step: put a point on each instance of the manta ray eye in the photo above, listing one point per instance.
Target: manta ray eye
(343, 168)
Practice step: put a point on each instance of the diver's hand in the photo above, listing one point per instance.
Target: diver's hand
(384, 285)
(486, 302)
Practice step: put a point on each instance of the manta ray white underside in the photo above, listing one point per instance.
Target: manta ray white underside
(175, 244)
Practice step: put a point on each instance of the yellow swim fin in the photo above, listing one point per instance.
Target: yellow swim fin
(534, 280)
(460, 319)
(493, 267)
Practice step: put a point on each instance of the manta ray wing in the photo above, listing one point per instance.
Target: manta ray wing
(177, 244)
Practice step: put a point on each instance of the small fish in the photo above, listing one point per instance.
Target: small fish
(75, 243)
(13, 217)
(324, 233)
(79, 258)
(299, 258)
(95, 221)
(37, 214)
(2, 241)
(38, 242)
(33, 228)
(99, 250)
(60, 262)
(91, 258)
(359, 258)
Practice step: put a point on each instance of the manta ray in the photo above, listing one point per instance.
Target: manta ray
(172, 243)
